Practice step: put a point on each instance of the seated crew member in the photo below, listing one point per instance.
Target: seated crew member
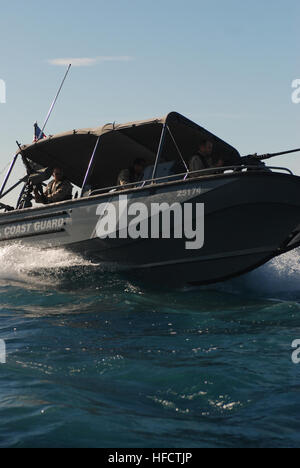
(203, 159)
(133, 174)
(59, 189)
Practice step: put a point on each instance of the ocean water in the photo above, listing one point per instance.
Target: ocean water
(95, 361)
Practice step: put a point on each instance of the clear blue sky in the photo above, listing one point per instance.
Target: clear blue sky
(228, 65)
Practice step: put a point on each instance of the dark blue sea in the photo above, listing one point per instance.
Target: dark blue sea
(96, 361)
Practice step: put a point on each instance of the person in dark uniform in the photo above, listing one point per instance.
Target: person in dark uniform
(133, 174)
(59, 189)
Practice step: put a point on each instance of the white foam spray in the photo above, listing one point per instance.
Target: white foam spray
(21, 263)
(279, 276)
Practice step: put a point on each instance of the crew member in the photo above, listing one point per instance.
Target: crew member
(133, 174)
(59, 189)
(203, 159)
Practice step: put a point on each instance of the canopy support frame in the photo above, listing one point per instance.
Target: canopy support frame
(90, 167)
(178, 150)
(160, 149)
(11, 167)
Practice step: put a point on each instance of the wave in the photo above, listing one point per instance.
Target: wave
(279, 278)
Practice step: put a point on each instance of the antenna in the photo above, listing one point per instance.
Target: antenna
(54, 102)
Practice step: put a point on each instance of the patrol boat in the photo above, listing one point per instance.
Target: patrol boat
(251, 212)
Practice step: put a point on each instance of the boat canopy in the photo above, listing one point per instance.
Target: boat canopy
(119, 145)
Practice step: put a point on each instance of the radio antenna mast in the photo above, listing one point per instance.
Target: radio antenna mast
(54, 102)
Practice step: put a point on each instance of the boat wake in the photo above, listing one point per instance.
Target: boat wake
(34, 267)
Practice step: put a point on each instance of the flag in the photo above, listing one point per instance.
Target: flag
(38, 135)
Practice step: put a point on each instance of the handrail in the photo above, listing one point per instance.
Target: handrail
(279, 168)
(185, 175)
